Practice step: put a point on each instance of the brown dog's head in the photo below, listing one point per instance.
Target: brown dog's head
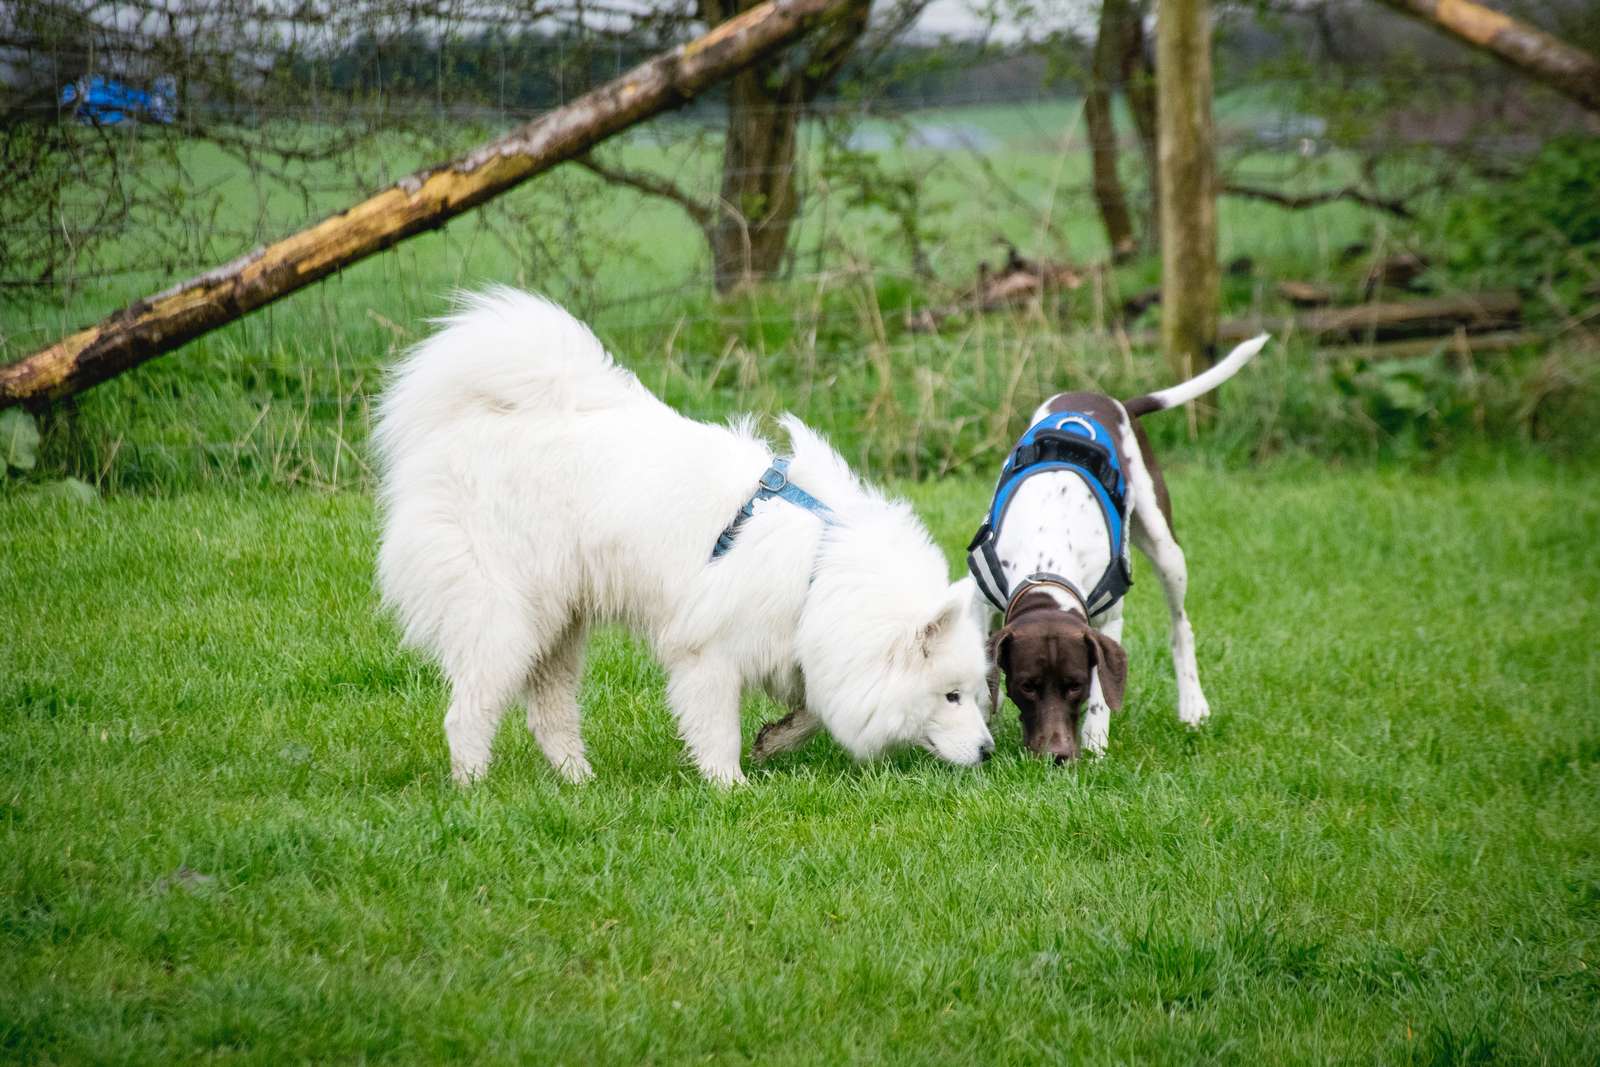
(1048, 655)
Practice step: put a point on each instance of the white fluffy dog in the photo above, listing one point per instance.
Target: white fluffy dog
(531, 488)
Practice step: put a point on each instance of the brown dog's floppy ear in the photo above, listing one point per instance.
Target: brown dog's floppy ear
(1112, 663)
(999, 645)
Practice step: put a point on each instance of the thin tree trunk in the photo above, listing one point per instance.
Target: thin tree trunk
(424, 201)
(760, 195)
(1139, 84)
(1106, 183)
(1189, 275)
(759, 198)
(1568, 70)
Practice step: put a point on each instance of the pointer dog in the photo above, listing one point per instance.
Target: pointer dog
(530, 488)
(1051, 558)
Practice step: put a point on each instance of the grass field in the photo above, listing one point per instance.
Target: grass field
(227, 832)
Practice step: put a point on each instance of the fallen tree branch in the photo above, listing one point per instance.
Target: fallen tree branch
(424, 201)
(1367, 323)
(1443, 344)
(1293, 202)
(1568, 70)
(1017, 282)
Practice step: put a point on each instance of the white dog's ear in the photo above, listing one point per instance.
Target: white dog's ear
(950, 613)
(966, 591)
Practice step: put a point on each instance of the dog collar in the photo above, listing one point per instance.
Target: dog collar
(774, 482)
(1046, 578)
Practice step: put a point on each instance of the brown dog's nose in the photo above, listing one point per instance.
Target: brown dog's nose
(1060, 745)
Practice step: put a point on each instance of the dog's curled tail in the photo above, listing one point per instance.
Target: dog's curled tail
(499, 351)
(1200, 384)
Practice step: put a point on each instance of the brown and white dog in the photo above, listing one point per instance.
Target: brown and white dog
(1051, 561)
(1055, 569)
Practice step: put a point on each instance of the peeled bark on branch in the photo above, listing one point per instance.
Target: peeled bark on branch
(424, 201)
(1546, 58)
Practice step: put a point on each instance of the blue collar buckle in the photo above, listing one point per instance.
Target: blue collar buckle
(774, 482)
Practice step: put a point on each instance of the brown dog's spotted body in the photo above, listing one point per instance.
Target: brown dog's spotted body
(1065, 669)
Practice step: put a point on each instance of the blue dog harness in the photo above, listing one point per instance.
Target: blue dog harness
(774, 483)
(1062, 440)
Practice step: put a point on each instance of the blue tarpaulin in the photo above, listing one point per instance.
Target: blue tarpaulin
(107, 102)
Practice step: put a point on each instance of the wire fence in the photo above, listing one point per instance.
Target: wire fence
(875, 325)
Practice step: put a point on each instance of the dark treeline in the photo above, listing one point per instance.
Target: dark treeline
(493, 68)
(535, 70)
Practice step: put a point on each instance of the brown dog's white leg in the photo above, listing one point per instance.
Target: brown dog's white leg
(1095, 727)
(785, 735)
(1153, 538)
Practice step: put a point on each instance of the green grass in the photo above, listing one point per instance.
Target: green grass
(226, 829)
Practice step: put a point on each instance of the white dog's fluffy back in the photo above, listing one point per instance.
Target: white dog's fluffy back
(530, 487)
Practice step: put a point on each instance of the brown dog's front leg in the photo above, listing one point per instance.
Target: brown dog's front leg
(785, 735)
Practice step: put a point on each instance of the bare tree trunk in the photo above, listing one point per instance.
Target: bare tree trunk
(1139, 84)
(1568, 70)
(760, 196)
(1109, 196)
(424, 201)
(1189, 276)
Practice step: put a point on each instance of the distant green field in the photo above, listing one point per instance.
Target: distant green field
(985, 172)
(280, 398)
(227, 829)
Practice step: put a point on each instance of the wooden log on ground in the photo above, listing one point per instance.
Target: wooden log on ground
(1439, 317)
(1452, 344)
(1477, 313)
(1305, 294)
(1018, 282)
(424, 201)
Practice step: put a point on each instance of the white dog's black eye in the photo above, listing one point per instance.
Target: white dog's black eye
(953, 697)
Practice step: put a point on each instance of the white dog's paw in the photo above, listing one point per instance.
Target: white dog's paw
(465, 774)
(727, 779)
(1193, 709)
(575, 769)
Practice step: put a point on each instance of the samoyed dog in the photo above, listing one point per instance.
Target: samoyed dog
(531, 488)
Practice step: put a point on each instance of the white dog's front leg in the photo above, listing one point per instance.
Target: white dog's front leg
(704, 694)
(1095, 731)
(469, 726)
